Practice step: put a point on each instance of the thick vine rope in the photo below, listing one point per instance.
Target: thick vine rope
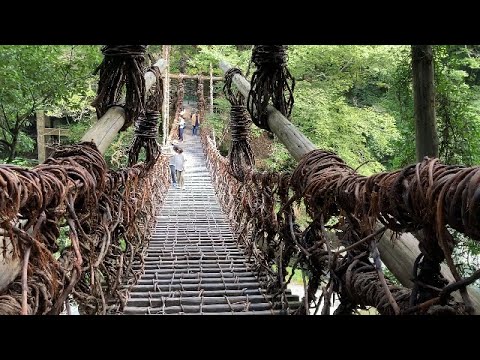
(262, 212)
(73, 192)
(123, 65)
(178, 108)
(270, 80)
(155, 96)
(146, 131)
(146, 127)
(240, 155)
(426, 196)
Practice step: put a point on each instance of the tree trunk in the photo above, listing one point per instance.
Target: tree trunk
(426, 137)
(13, 145)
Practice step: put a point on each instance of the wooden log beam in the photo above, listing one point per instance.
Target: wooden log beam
(196, 77)
(399, 255)
(9, 266)
(107, 127)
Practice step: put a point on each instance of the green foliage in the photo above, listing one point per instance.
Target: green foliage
(117, 153)
(466, 255)
(390, 277)
(337, 102)
(297, 276)
(32, 77)
(27, 163)
(122, 244)
(281, 160)
(217, 122)
(78, 129)
(63, 241)
(214, 53)
(25, 143)
(457, 105)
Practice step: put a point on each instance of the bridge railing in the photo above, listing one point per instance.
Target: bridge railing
(263, 213)
(107, 215)
(72, 227)
(422, 198)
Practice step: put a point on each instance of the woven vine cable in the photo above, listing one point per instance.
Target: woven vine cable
(146, 127)
(241, 156)
(146, 130)
(200, 101)
(174, 131)
(74, 191)
(123, 65)
(402, 200)
(235, 98)
(271, 80)
(155, 95)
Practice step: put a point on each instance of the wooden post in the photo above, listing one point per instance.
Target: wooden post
(398, 255)
(166, 93)
(40, 136)
(107, 127)
(211, 89)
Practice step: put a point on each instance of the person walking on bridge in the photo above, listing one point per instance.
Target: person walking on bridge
(181, 127)
(195, 122)
(179, 160)
(172, 166)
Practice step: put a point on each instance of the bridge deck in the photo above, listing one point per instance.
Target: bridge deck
(193, 264)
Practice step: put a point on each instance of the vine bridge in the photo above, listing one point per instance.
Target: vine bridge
(127, 242)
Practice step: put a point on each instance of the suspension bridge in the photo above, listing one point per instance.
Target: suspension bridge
(136, 245)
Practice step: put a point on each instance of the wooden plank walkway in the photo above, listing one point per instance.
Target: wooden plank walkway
(193, 263)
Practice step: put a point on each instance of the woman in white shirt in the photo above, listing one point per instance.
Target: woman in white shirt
(179, 160)
(172, 166)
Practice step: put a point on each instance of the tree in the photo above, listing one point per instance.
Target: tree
(338, 101)
(40, 77)
(426, 139)
(457, 100)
